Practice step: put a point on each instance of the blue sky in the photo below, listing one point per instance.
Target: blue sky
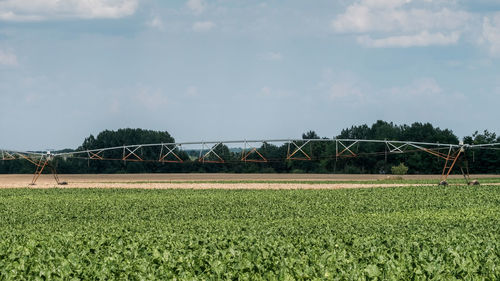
(207, 70)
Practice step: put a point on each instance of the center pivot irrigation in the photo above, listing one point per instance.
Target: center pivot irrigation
(253, 151)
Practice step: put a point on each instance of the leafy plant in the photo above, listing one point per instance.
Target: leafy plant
(400, 169)
(404, 233)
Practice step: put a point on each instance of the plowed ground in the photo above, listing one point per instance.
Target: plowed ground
(222, 181)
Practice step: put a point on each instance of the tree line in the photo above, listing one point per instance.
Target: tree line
(373, 157)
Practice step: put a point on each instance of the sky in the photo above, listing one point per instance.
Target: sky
(234, 69)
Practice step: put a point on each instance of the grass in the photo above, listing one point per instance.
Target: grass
(400, 233)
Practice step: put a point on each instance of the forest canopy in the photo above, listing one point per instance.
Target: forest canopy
(322, 154)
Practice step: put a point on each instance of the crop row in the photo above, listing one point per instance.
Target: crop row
(391, 233)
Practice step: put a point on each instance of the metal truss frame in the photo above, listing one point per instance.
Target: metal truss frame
(346, 148)
(204, 158)
(396, 148)
(252, 150)
(7, 156)
(40, 166)
(95, 155)
(128, 152)
(298, 148)
(41, 161)
(169, 152)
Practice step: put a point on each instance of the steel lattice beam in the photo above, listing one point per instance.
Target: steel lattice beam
(169, 152)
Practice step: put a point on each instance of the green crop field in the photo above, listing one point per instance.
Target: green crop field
(415, 233)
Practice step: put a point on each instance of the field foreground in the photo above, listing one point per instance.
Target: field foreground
(347, 234)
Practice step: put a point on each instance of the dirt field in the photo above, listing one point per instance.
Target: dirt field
(191, 181)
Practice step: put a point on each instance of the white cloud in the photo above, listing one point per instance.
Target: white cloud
(196, 6)
(422, 88)
(156, 22)
(400, 24)
(348, 89)
(421, 39)
(386, 16)
(265, 91)
(491, 34)
(36, 10)
(385, 3)
(192, 91)
(269, 92)
(420, 99)
(271, 56)
(32, 97)
(201, 26)
(343, 87)
(152, 100)
(343, 90)
(11, 16)
(8, 58)
(114, 106)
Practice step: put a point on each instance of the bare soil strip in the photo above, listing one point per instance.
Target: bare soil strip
(191, 181)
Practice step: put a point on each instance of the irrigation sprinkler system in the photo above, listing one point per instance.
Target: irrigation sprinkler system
(252, 151)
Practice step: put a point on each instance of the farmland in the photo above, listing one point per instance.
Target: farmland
(371, 233)
(234, 181)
